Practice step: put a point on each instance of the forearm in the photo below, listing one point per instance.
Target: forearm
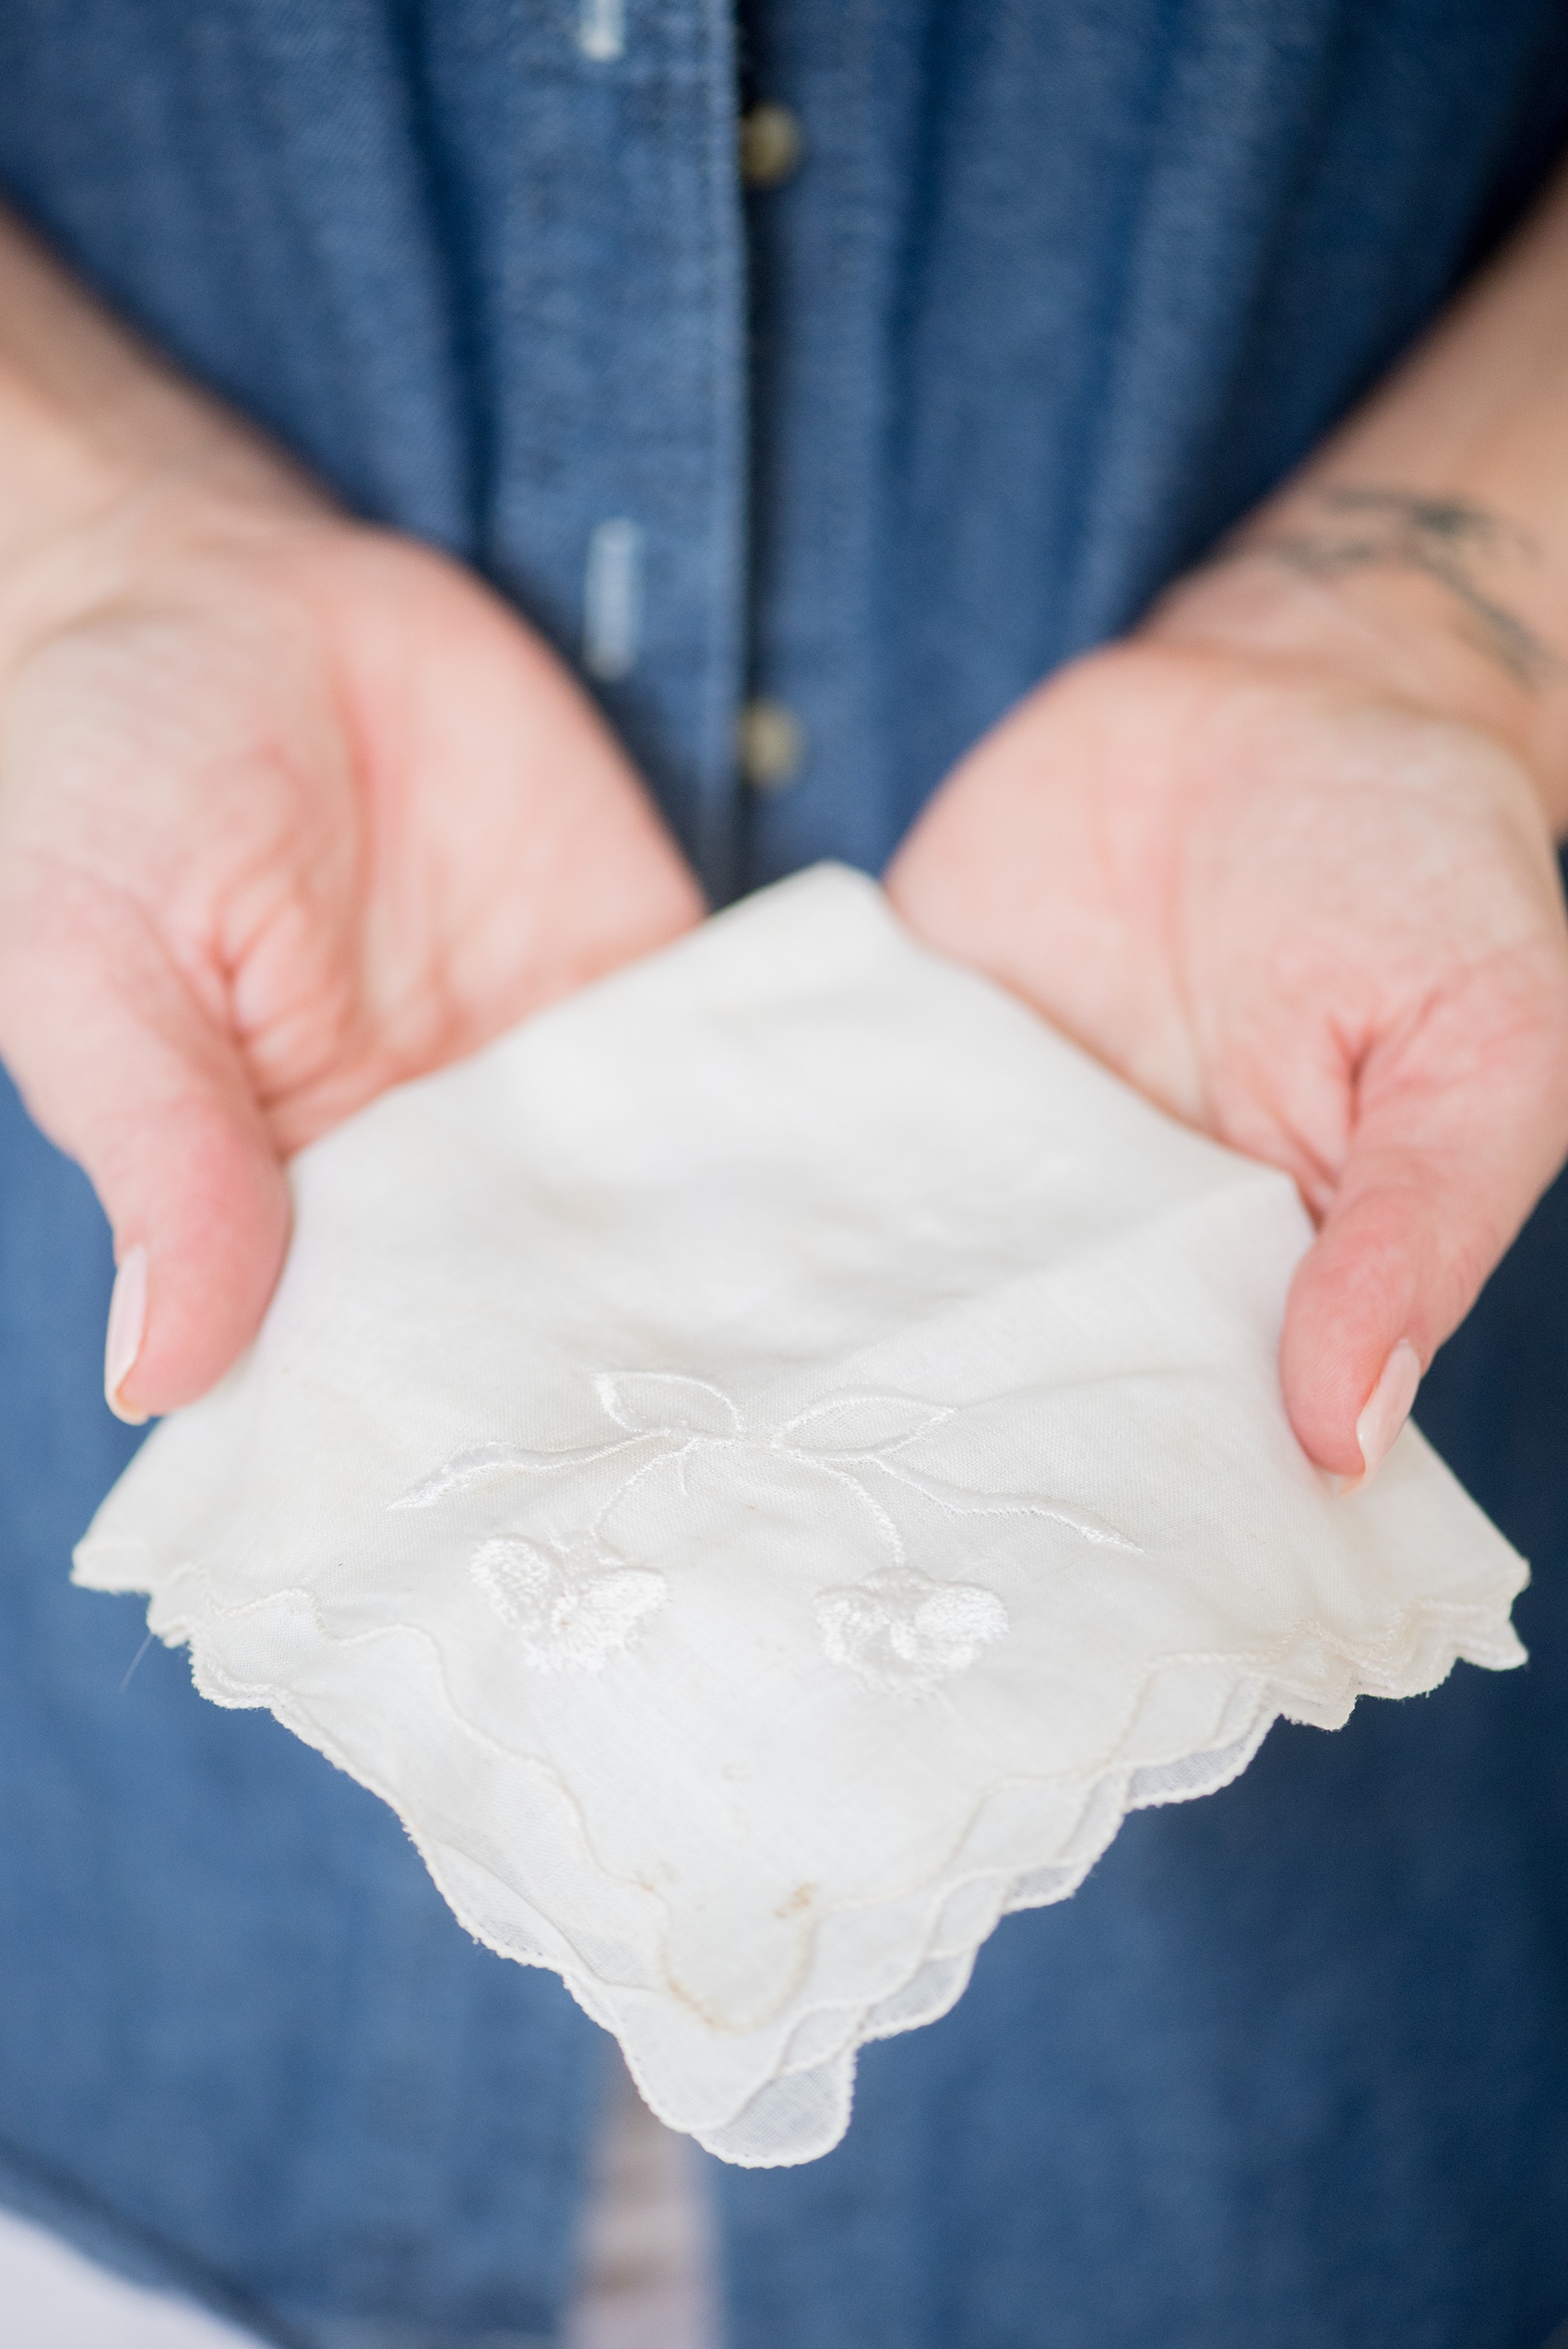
(1426, 543)
(89, 414)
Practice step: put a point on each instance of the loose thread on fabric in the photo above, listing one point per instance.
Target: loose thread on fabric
(132, 1664)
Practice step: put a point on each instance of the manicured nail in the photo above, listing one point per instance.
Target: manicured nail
(1388, 1405)
(127, 1325)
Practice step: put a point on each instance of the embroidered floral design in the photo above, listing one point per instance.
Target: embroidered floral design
(903, 1633)
(575, 1602)
(570, 1602)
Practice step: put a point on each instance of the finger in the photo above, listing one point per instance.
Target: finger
(1457, 1133)
(130, 1075)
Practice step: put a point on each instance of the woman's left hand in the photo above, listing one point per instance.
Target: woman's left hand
(1307, 914)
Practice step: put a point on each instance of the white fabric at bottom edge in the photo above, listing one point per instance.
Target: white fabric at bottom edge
(53, 2298)
(807, 2110)
(802, 2111)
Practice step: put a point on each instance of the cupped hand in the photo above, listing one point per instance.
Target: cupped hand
(1307, 914)
(290, 809)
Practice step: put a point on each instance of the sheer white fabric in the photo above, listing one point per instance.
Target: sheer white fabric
(763, 1468)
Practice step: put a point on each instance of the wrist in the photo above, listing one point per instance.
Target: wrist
(173, 540)
(1432, 636)
(90, 419)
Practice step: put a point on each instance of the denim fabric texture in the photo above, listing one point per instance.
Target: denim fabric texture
(1056, 291)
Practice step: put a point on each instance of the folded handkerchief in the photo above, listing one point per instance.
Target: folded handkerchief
(763, 1467)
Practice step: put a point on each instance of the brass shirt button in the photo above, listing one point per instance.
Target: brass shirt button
(771, 145)
(770, 745)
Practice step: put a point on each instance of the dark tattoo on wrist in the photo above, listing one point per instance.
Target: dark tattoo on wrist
(1446, 539)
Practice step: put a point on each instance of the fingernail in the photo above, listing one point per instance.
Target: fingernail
(127, 1324)
(1388, 1405)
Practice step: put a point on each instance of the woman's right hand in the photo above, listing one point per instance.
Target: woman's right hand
(290, 809)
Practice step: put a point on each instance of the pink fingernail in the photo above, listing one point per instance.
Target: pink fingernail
(127, 1326)
(1388, 1405)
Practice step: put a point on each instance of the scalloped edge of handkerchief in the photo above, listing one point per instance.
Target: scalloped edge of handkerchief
(797, 2103)
(808, 2106)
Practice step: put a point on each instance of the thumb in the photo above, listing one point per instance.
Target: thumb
(127, 1072)
(1454, 1142)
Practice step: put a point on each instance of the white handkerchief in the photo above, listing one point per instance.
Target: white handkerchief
(763, 1468)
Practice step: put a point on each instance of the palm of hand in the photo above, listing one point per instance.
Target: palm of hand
(302, 812)
(1320, 924)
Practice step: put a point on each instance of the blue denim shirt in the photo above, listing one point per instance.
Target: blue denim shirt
(1059, 288)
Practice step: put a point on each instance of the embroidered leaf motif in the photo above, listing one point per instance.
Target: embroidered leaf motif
(903, 1633)
(861, 1427)
(665, 1403)
(572, 1605)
